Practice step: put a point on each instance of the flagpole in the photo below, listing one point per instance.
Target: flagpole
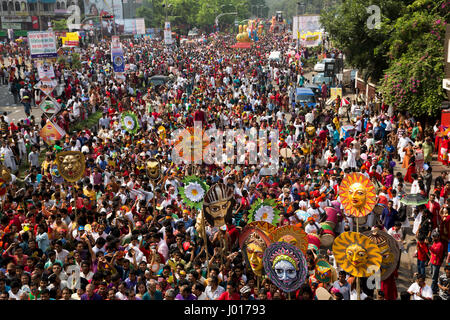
(358, 288)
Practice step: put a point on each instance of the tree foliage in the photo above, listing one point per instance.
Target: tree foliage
(186, 14)
(404, 56)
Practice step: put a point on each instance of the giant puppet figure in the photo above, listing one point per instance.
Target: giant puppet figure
(218, 205)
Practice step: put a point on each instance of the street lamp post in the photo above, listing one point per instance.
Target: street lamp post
(299, 4)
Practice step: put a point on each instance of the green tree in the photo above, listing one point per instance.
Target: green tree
(364, 47)
(59, 25)
(413, 80)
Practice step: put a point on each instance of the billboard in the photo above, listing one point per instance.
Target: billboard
(131, 26)
(42, 44)
(167, 33)
(103, 7)
(305, 24)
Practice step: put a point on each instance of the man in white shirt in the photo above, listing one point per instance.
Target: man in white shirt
(419, 290)
(33, 157)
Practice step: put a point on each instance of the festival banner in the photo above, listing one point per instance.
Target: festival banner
(42, 44)
(45, 69)
(46, 85)
(51, 133)
(334, 92)
(117, 56)
(71, 39)
(167, 33)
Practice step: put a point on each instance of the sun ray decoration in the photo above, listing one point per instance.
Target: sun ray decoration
(357, 194)
(357, 254)
(291, 234)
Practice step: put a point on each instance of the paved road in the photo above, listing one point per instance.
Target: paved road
(15, 111)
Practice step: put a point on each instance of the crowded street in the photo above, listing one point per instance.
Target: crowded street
(208, 171)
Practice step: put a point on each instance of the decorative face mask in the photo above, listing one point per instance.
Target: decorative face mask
(356, 254)
(255, 256)
(153, 169)
(218, 205)
(5, 174)
(253, 241)
(357, 194)
(71, 165)
(285, 266)
(285, 270)
(390, 252)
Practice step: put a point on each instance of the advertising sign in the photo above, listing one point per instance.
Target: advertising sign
(334, 92)
(105, 7)
(49, 105)
(51, 133)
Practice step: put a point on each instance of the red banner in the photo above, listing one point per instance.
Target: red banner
(35, 21)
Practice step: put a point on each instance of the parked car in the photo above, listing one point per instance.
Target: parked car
(159, 80)
(320, 66)
(319, 78)
(305, 95)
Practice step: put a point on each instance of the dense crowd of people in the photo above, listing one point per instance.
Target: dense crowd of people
(113, 235)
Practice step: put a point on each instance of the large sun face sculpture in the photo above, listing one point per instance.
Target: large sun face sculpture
(357, 254)
(291, 234)
(357, 194)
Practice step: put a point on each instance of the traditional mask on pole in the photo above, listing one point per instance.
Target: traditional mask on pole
(218, 205)
(356, 254)
(285, 266)
(5, 174)
(153, 167)
(390, 252)
(357, 194)
(253, 242)
(71, 165)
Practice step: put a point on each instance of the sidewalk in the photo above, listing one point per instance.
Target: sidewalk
(408, 263)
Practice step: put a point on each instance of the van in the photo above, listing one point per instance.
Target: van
(303, 95)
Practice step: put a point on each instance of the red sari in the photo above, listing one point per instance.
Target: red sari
(409, 172)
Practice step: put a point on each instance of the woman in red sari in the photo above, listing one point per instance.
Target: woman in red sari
(411, 170)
